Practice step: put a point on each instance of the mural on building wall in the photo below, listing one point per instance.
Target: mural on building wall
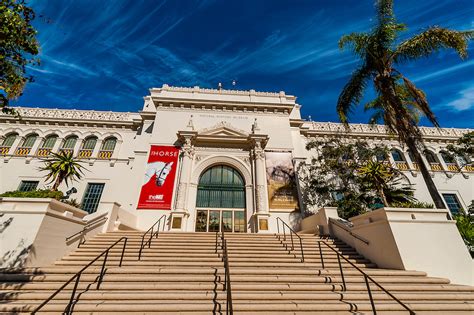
(282, 193)
(158, 182)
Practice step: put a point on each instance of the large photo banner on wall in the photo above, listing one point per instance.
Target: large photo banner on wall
(158, 183)
(282, 192)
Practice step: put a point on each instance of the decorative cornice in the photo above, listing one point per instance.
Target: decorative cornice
(73, 115)
(195, 89)
(329, 128)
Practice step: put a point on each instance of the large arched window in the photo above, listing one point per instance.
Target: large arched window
(220, 200)
(87, 147)
(68, 144)
(433, 161)
(397, 155)
(7, 143)
(221, 186)
(47, 145)
(27, 144)
(108, 147)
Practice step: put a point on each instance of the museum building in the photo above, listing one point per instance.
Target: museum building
(208, 159)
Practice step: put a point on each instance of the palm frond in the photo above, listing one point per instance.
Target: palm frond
(432, 40)
(420, 99)
(352, 93)
(358, 42)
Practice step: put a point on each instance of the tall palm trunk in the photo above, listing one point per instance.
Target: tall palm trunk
(58, 182)
(404, 128)
(438, 201)
(383, 196)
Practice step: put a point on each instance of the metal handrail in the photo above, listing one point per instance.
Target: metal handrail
(77, 276)
(227, 285)
(86, 228)
(366, 277)
(345, 228)
(284, 224)
(150, 230)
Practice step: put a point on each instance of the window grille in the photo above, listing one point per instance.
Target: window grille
(9, 140)
(109, 144)
(49, 142)
(89, 143)
(28, 185)
(69, 143)
(29, 141)
(221, 187)
(92, 197)
(453, 203)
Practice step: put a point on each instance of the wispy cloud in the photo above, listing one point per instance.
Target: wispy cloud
(464, 100)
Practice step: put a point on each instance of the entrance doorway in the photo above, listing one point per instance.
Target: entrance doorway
(220, 221)
(220, 202)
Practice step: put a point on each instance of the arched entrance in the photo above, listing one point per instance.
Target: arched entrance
(220, 201)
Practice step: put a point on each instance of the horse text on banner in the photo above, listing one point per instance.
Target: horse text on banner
(158, 183)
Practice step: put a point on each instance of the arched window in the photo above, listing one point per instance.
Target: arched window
(25, 147)
(68, 144)
(447, 158)
(434, 163)
(450, 161)
(7, 143)
(49, 142)
(47, 145)
(397, 155)
(29, 141)
(108, 147)
(88, 146)
(220, 200)
(430, 157)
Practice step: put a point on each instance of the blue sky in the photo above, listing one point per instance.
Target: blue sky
(105, 55)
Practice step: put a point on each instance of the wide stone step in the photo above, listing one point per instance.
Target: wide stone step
(249, 306)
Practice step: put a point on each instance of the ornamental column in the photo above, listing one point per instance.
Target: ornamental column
(180, 212)
(257, 152)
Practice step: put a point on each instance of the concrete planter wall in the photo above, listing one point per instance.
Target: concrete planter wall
(33, 231)
(406, 239)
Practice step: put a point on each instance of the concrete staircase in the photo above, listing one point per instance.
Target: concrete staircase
(182, 274)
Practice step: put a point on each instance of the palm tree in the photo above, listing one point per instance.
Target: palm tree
(377, 175)
(62, 167)
(379, 53)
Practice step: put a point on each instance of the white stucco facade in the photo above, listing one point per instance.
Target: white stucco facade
(211, 127)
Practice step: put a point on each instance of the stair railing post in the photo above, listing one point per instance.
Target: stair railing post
(292, 244)
(158, 230)
(151, 236)
(102, 270)
(123, 252)
(216, 240)
(370, 295)
(342, 272)
(141, 248)
(73, 293)
(302, 251)
(321, 255)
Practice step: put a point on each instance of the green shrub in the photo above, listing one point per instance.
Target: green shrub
(72, 202)
(412, 204)
(45, 193)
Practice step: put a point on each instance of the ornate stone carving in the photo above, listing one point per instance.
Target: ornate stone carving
(260, 195)
(371, 130)
(83, 115)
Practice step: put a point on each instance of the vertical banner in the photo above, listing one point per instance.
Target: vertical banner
(158, 183)
(282, 191)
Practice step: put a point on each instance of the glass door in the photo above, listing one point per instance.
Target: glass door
(220, 220)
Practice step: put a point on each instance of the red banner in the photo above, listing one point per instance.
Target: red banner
(158, 183)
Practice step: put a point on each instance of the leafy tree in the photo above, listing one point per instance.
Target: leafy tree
(18, 46)
(62, 167)
(380, 54)
(377, 175)
(464, 148)
(341, 175)
(465, 224)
